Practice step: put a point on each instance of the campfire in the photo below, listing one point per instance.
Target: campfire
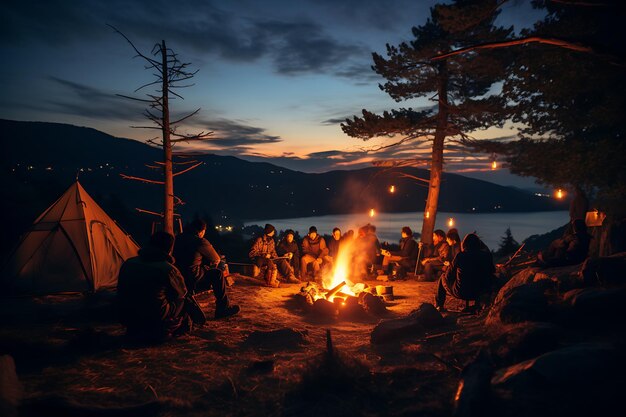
(338, 295)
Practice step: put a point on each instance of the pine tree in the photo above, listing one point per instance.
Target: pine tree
(570, 102)
(508, 244)
(460, 86)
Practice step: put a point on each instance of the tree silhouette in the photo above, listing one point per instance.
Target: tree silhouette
(168, 73)
(508, 244)
(459, 84)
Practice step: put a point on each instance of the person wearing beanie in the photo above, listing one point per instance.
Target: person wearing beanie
(315, 253)
(288, 247)
(198, 261)
(263, 254)
(405, 258)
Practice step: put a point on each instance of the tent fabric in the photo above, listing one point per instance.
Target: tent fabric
(72, 246)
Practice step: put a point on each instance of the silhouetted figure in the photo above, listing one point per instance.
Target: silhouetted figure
(289, 247)
(264, 255)
(151, 292)
(201, 266)
(454, 241)
(470, 273)
(433, 265)
(571, 249)
(579, 206)
(405, 258)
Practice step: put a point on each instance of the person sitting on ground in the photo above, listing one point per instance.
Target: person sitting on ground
(405, 258)
(202, 267)
(469, 276)
(288, 247)
(571, 249)
(433, 265)
(314, 252)
(367, 250)
(454, 241)
(263, 254)
(151, 292)
(334, 243)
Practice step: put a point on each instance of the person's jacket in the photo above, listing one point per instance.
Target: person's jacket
(314, 247)
(150, 289)
(470, 273)
(333, 247)
(262, 246)
(577, 247)
(285, 247)
(192, 253)
(454, 250)
(408, 249)
(441, 253)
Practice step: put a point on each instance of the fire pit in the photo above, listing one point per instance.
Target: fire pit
(337, 295)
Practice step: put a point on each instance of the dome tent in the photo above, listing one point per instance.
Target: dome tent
(73, 246)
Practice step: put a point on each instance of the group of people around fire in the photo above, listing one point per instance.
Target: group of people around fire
(156, 288)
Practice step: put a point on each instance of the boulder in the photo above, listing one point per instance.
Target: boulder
(415, 324)
(473, 395)
(526, 302)
(11, 392)
(280, 339)
(607, 271)
(522, 341)
(598, 305)
(523, 277)
(565, 278)
(582, 379)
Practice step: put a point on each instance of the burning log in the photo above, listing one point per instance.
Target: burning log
(330, 294)
(324, 308)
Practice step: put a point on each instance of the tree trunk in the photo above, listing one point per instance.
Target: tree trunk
(436, 167)
(168, 177)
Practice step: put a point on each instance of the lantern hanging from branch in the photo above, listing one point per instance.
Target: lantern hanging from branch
(392, 189)
(450, 222)
(559, 194)
(372, 212)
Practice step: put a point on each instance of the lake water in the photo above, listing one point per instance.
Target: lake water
(489, 226)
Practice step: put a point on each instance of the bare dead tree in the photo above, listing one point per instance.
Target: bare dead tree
(168, 72)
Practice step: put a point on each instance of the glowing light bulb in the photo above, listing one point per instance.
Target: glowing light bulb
(392, 189)
(372, 212)
(427, 215)
(494, 165)
(450, 222)
(559, 194)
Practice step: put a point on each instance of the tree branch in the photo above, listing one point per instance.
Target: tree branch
(130, 177)
(188, 169)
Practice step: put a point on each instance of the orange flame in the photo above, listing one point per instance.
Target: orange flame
(372, 212)
(341, 269)
(494, 165)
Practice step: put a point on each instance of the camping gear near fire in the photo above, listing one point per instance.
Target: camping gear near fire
(333, 302)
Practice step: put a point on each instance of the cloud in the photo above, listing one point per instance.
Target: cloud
(86, 101)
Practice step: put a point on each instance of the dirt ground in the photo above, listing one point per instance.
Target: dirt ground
(71, 357)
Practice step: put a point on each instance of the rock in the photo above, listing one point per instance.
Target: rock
(607, 271)
(523, 277)
(415, 324)
(598, 305)
(473, 395)
(522, 341)
(526, 302)
(11, 392)
(373, 304)
(323, 308)
(428, 316)
(565, 278)
(583, 379)
(277, 339)
(577, 365)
